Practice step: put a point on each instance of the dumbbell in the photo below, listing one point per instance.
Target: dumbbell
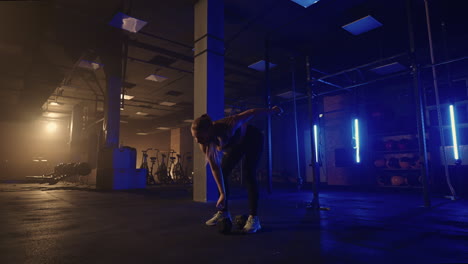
(224, 225)
(82, 168)
(241, 220)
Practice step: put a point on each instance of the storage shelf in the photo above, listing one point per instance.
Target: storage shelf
(391, 169)
(395, 133)
(396, 151)
(401, 187)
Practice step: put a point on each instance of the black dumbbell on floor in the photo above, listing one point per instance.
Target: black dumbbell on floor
(241, 220)
(224, 226)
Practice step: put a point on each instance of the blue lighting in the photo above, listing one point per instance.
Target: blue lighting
(356, 139)
(454, 133)
(305, 3)
(316, 143)
(362, 25)
(260, 65)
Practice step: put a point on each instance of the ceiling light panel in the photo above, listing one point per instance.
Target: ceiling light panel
(289, 95)
(121, 20)
(167, 103)
(305, 3)
(260, 65)
(156, 78)
(128, 97)
(362, 25)
(89, 65)
(393, 67)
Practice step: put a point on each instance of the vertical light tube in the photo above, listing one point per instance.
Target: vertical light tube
(454, 132)
(316, 143)
(356, 138)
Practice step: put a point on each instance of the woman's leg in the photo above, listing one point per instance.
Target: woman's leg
(253, 147)
(230, 159)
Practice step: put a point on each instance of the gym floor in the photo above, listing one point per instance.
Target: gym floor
(69, 223)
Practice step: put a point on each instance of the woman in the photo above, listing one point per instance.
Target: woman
(224, 143)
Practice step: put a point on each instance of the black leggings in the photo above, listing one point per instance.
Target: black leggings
(251, 146)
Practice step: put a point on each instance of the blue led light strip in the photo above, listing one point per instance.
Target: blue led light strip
(316, 143)
(454, 133)
(356, 137)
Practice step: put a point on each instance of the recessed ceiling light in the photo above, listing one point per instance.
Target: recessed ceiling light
(127, 97)
(55, 103)
(156, 78)
(167, 103)
(362, 25)
(121, 108)
(121, 20)
(54, 114)
(142, 113)
(90, 65)
(289, 95)
(260, 65)
(163, 128)
(305, 3)
(142, 133)
(389, 68)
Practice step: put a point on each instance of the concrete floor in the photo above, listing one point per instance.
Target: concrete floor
(68, 223)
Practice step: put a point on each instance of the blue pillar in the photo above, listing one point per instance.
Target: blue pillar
(208, 85)
(111, 125)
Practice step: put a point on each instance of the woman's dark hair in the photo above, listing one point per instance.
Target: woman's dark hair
(204, 123)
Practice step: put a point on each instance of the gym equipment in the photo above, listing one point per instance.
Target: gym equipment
(380, 163)
(413, 180)
(177, 171)
(404, 144)
(417, 163)
(405, 163)
(69, 169)
(224, 226)
(241, 220)
(162, 171)
(393, 163)
(59, 168)
(398, 180)
(382, 180)
(144, 165)
(63, 170)
(82, 168)
(390, 145)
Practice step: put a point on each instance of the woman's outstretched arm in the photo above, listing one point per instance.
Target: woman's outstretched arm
(247, 115)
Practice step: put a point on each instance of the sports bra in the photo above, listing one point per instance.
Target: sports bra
(223, 130)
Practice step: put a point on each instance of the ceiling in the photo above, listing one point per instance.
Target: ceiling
(43, 42)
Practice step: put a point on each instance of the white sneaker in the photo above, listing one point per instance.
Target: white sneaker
(216, 217)
(252, 225)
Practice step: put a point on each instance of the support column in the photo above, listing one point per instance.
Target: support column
(209, 85)
(116, 166)
(76, 127)
(111, 125)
